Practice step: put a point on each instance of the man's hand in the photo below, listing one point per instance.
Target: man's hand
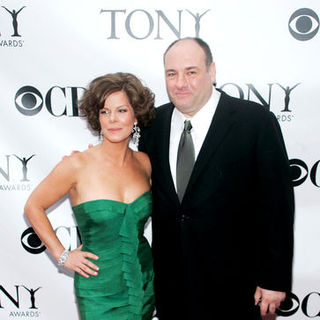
(77, 151)
(268, 300)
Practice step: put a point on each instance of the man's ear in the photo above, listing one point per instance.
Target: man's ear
(212, 72)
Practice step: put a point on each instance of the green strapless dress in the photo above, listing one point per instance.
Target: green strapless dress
(123, 288)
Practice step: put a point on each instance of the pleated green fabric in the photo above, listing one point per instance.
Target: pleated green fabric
(123, 289)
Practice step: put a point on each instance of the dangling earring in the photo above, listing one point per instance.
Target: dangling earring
(136, 134)
(101, 135)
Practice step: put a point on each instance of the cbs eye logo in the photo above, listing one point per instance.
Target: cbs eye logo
(28, 100)
(309, 305)
(289, 306)
(300, 172)
(59, 101)
(31, 242)
(303, 24)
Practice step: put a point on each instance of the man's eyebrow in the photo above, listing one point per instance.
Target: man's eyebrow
(186, 68)
(191, 67)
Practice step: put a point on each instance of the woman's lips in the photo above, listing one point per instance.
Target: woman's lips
(114, 129)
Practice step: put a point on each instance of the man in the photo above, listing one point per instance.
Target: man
(223, 244)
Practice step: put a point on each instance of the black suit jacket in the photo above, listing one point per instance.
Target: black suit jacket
(234, 227)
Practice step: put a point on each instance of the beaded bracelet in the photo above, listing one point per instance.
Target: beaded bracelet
(63, 258)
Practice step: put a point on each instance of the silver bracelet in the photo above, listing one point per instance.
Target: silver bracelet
(63, 258)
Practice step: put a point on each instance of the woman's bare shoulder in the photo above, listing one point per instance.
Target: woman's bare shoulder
(143, 160)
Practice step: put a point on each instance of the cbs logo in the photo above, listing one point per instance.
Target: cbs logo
(59, 101)
(69, 237)
(303, 24)
(300, 172)
(309, 305)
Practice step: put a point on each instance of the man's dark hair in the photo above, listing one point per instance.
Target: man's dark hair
(201, 43)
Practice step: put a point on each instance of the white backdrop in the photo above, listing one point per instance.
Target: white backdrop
(49, 50)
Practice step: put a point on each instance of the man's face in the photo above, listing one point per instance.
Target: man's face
(189, 82)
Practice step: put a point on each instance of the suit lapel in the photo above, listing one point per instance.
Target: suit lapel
(221, 123)
(163, 153)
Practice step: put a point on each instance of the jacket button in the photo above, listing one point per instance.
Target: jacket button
(184, 218)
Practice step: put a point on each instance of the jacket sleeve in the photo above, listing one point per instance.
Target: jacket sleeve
(275, 218)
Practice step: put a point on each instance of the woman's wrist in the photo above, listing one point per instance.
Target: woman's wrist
(63, 257)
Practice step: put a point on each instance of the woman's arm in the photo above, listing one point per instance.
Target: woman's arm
(59, 182)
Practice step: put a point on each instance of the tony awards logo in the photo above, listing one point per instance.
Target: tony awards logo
(14, 173)
(287, 90)
(21, 302)
(15, 29)
(14, 15)
(141, 24)
(24, 162)
(274, 96)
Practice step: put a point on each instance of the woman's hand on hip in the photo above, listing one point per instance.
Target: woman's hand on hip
(78, 261)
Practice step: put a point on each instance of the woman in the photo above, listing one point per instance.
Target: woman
(109, 188)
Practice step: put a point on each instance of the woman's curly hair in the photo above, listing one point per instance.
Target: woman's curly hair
(140, 97)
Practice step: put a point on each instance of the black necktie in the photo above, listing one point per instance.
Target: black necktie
(185, 159)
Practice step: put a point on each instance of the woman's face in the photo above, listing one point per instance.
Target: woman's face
(117, 117)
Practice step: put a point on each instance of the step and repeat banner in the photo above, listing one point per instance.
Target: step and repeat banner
(266, 51)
